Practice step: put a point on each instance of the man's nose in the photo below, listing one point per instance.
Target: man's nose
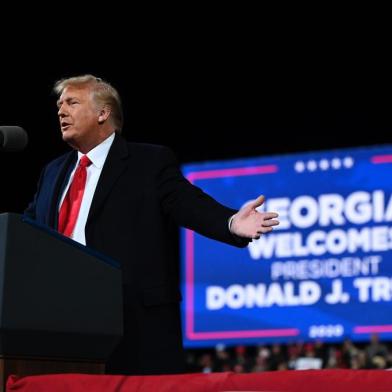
(61, 112)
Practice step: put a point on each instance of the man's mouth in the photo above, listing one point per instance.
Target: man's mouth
(64, 126)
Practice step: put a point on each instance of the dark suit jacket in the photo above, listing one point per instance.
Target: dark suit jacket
(140, 199)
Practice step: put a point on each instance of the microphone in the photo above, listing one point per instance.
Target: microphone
(12, 138)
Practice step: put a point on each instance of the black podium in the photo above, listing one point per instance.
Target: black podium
(60, 302)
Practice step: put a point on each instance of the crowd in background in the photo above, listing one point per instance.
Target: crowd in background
(298, 356)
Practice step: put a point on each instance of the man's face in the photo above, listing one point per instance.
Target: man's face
(78, 115)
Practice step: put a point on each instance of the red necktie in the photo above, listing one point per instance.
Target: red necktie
(69, 210)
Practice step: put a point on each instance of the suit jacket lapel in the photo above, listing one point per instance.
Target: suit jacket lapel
(114, 166)
(60, 182)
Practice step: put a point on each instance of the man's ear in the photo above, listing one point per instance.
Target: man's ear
(104, 114)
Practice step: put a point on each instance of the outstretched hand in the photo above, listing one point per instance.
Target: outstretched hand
(250, 223)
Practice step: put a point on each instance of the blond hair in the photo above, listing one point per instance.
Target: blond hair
(103, 94)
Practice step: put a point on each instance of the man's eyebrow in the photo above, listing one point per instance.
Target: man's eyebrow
(68, 99)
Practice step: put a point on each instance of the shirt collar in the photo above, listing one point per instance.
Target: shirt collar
(99, 153)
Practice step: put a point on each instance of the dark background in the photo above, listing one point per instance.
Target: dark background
(205, 102)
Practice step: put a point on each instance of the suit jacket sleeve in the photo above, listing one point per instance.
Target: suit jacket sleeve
(190, 207)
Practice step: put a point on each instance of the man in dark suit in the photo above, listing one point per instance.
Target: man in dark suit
(134, 198)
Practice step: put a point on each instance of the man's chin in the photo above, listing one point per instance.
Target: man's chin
(68, 138)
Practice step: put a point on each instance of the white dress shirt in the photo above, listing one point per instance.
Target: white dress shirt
(98, 157)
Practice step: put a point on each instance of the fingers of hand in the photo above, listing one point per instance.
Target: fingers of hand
(270, 222)
(264, 230)
(270, 215)
(259, 201)
(267, 226)
(261, 231)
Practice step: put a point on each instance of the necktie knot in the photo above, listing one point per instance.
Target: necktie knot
(85, 161)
